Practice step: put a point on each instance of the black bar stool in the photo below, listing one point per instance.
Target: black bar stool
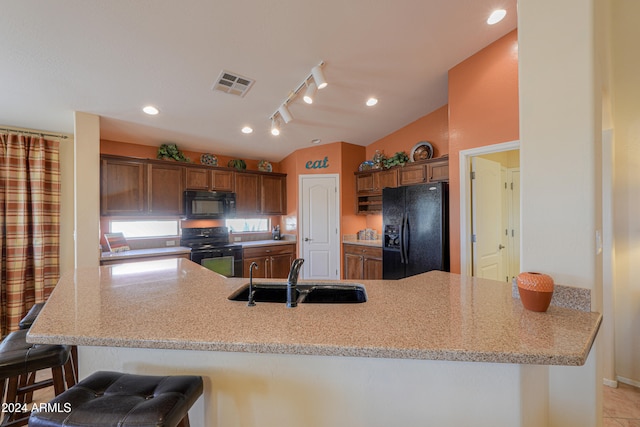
(125, 400)
(26, 322)
(19, 361)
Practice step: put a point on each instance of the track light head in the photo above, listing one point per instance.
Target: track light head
(310, 92)
(318, 77)
(285, 113)
(275, 129)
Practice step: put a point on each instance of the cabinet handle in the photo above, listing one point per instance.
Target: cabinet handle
(268, 251)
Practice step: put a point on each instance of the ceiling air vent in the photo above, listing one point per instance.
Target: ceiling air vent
(232, 83)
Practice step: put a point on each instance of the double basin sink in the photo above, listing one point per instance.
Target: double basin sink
(307, 292)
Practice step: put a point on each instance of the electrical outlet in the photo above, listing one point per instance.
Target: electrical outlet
(237, 239)
(170, 242)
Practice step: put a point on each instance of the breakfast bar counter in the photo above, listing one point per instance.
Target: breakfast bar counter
(421, 337)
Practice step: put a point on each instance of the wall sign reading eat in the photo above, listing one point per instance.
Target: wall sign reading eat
(317, 164)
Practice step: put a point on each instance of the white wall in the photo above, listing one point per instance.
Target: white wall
(87, 191)
(626, 117)
(560, 136)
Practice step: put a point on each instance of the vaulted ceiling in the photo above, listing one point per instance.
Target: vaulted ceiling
(111, 58)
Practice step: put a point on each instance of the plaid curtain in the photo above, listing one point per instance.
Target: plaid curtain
(29, 224)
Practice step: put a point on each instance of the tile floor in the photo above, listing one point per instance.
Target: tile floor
(621, 405)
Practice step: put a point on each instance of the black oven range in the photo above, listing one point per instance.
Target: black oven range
(210, 248)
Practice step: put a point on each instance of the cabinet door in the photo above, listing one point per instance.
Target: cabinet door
(261, 272)
(413, 175)
(438, 171)
(165, 189)
(221, 180)
(122, 187)
(372, 269)
(247, 193)
(272, 195)
(197, 179)
(353, 267)
(280, 266)
(364, 183)
(387, 178)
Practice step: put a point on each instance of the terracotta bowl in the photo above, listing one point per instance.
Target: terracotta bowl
(536, 290)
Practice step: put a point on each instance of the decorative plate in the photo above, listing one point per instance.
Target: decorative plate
(366, 165)
(264, 166)
(209, 159)
(423, 150)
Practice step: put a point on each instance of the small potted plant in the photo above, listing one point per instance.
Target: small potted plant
(171, 152)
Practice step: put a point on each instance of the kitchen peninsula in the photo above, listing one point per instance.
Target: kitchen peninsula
(438, 348)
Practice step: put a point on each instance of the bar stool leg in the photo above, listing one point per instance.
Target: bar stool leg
(184, 422)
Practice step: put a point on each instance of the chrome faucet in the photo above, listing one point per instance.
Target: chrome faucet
(292, 281)
(251, 302)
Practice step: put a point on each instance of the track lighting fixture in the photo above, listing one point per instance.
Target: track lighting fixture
(275, 129)
(283, 111)
(318, 77)
(311, 84)
(310, 93)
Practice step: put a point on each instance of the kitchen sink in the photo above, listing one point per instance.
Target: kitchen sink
(310, 292)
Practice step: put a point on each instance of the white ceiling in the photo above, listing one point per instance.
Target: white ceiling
(110, 58)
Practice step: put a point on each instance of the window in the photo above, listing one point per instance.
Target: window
(145, 228)
(238, 225)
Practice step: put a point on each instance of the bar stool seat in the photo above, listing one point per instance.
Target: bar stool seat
(19, 361)
(125, 400)
(30, 317)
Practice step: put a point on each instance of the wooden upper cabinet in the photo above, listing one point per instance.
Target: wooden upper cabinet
(247, 193)
(438, 171)
(206, 179)
(413, 174)
(197, 179)
(273, 197)
(375, 181)
(165, 189)
(122, 187)
(222, 180)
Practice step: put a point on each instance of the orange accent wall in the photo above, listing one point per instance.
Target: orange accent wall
(483, 110)
(434, 127)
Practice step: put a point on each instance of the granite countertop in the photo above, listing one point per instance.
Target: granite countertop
(177, 304)
(142, 253)
(376, 243)
(256, 243)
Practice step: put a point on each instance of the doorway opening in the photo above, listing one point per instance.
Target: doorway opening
(490, 211)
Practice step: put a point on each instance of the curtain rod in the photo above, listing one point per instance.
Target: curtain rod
(55, 135)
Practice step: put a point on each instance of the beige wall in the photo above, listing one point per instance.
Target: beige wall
(560, 137)
(626, 209)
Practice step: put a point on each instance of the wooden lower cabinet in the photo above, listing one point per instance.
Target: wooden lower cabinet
(274, 262)
(362, 262)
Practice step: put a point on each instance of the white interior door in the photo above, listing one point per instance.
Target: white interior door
(486, 204)
(319, 237)
(514, 223)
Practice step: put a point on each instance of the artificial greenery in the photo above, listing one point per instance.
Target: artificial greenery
(237, 163)
(398, 159)
(171, 152)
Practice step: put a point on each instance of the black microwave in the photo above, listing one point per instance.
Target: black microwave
(209, 205)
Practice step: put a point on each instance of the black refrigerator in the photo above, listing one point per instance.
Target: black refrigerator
(415, 223)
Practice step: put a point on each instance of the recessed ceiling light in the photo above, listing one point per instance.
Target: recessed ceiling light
(247, 129)
(316, 141)
(150, 110)
(496, 16)
(371, 102)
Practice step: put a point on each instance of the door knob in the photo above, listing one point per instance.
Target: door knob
(501, 247)
(306, 239)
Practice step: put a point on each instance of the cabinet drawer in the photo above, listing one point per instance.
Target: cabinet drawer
(368, 251)
(268, 251)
